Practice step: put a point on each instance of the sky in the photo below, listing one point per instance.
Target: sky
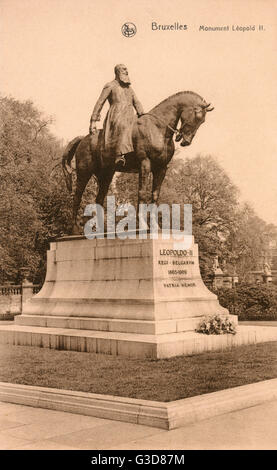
(60, 53)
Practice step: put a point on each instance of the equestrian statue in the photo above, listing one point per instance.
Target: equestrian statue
(128, 143)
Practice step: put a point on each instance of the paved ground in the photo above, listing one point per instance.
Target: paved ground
(23, 427)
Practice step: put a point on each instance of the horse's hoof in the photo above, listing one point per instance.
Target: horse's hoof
(75, 230)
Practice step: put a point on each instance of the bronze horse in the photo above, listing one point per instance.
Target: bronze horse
(153, 144)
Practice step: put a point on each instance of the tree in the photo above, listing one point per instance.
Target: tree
(247, 242)
(34, 202)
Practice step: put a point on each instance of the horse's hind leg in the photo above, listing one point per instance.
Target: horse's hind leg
(82, 181)
(104, 181)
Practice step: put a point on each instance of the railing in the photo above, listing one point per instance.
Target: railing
(10, 289)
(36, 288)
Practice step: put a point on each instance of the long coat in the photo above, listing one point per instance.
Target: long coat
(117, 128)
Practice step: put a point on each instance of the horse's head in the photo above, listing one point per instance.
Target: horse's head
(191, 119)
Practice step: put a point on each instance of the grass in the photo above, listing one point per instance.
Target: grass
(161, 380)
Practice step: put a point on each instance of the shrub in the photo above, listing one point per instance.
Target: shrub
(250, 301)
(216, 325)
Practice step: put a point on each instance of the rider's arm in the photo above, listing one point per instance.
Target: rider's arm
(98, 106)
(137, 105)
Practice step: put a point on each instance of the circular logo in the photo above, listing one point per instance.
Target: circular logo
(129, 30)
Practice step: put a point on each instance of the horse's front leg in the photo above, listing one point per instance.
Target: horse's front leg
(158, 177)
(144, 173)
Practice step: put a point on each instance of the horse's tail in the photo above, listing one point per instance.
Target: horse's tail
(66, 160)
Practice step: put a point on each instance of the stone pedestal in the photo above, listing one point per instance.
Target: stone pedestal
(138, 297)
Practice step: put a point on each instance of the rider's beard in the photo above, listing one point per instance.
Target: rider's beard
(124, 78)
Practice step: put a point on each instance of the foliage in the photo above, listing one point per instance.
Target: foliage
(250, 302)
(216, 325)
(34, 203)
(245, 245)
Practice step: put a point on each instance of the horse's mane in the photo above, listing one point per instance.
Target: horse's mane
(180, 93)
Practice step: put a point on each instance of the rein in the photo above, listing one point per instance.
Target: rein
(175, 131)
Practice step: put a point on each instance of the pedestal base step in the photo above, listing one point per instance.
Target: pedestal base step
(145, 327)
(132, 345)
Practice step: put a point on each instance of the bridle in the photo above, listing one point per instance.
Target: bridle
(175, 131)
